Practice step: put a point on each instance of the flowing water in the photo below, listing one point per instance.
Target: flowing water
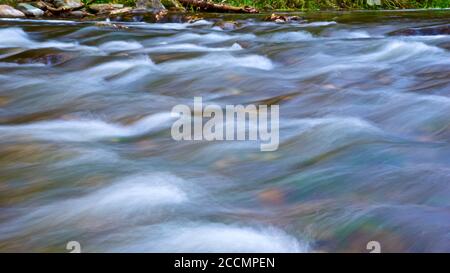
(86, 152)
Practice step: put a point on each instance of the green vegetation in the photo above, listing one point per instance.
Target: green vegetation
(338, 4)
(307, 4)
(129, 3)
(8, 2)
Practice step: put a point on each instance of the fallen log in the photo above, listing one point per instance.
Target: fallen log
(205, 5)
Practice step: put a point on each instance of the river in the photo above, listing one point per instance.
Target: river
(86, 152)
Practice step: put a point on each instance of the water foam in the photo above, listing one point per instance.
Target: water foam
(141, 66)
(397, 50)
(219, 60)
(209, 37)
(215, 237)
(87, 130)
(132, 198)
(16, 37)
(118, 46)
(347, 34)
(186, 47)
(290, 36)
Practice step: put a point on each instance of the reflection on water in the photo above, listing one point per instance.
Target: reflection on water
(86, 152)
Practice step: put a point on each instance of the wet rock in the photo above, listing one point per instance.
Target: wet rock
(8, 11)
(104, 8)
(192, 18)
(52, 59)
(423, 31)
(227, 25)
(160, 15)
(79, 14)
(47, 56)
(30, 10)
(67, 4)
(120, 11)
(278, 18)
(150, 16)
(110, 25)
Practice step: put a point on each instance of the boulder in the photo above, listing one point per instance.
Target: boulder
(227, 25)
(67, 4)
(149, 4)
(79, 13)
(160, 15)
(423, 31)
(8, 11)
(278, 18)
(30, 10)
(120, 11)
(104, 8)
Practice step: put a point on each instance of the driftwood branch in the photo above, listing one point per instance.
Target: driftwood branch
(205, 5)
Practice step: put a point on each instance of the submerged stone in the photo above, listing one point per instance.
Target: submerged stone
(110, 25)
(227, 25)
(423, 31)
(47, 56)
(8, 11)
(67, 4)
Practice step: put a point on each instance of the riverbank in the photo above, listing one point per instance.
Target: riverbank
(165, 11)
(314, 5)
(84, 8)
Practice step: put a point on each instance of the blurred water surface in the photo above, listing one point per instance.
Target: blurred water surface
(86, 152)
